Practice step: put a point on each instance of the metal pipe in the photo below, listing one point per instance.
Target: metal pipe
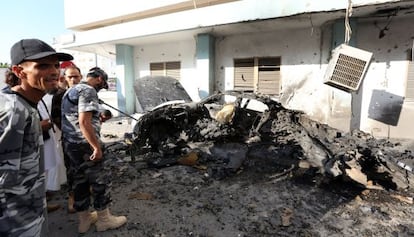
(103, 102)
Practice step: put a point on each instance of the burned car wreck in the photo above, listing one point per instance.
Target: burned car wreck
(240, 164)
(232, 132)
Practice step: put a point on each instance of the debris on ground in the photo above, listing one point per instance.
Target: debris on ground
(220, 168)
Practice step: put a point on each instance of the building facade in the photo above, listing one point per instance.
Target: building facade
(280, 48)
(3, 77)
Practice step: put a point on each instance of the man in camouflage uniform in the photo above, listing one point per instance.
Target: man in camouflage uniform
(81, 128)
(22, 177)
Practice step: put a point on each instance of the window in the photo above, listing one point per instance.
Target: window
(261, 75)
(171, 69)
(244, 74)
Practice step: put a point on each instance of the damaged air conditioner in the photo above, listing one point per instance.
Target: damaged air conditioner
(347, 67)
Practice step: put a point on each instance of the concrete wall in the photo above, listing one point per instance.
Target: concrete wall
(387, 72)
(183, 51)
(303, 67)
(304, 63)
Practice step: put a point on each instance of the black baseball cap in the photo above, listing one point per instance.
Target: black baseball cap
(31, 49)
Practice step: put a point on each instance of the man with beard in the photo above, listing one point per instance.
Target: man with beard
(70, 75)
(22, 174)
(81, 128)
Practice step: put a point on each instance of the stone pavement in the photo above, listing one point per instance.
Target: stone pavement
(115, 128)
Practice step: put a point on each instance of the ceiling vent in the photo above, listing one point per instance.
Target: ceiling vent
(347, 67)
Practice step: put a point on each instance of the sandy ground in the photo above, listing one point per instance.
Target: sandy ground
(184, 201)
(61, 223)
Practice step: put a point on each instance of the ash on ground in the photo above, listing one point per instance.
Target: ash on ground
(215, 168)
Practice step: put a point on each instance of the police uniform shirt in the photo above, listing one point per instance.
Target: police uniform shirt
(22, 177)
(77, 99)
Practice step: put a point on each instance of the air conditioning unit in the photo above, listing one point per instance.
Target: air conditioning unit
(347, 67)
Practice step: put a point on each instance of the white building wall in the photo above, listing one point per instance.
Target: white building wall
(220, 14)
(305, 55)
(301, 73)
(80, 12)
(388, 72)
(183, 51)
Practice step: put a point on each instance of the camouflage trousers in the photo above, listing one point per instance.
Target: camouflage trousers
(69, 175)
(91, 180)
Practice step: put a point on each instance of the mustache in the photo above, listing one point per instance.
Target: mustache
(52, 91)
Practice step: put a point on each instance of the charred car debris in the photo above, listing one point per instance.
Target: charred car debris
(256, 133)
(240, 164)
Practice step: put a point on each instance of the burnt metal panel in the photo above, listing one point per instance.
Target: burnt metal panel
(385, 107)
(155, 90)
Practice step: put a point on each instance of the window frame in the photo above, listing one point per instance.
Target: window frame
(258, 74)
(170, 68)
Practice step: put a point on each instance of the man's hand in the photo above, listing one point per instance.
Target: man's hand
(46, 124)
(88, 131)
(96, 155)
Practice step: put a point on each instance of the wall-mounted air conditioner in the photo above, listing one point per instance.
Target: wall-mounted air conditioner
(347, 67)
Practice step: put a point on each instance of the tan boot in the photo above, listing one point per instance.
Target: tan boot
(107, 221)
(86, 219)
(71, 201)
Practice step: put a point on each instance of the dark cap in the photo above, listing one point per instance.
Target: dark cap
(98, 72)
(31, 49)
